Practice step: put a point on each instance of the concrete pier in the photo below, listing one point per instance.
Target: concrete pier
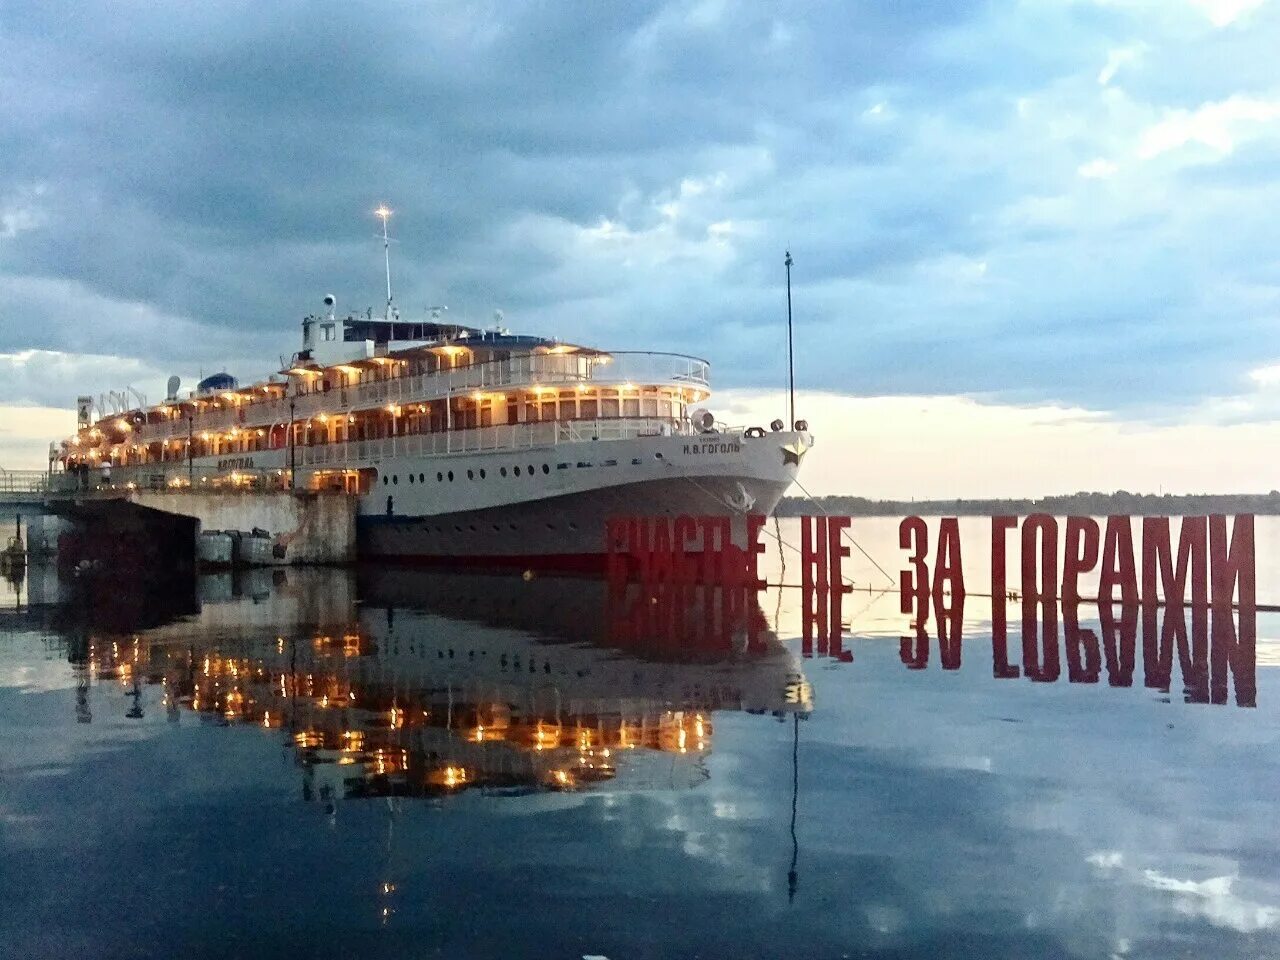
(302, 527)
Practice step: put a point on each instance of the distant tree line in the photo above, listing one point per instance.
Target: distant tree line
(1077, 504)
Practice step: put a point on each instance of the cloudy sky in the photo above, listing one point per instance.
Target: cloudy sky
(1048, 222)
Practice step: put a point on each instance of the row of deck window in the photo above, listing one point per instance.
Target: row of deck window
(465, 413)
(442, 476)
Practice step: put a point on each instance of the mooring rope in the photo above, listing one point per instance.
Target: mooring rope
(813, 500)
(776, 536)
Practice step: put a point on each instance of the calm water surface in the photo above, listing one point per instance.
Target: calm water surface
(415, 764)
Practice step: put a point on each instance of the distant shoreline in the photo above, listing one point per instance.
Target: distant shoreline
(1075, 504)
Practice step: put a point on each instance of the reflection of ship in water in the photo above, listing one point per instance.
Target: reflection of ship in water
(434, 683)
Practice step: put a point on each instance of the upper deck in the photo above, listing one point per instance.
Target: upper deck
(461, 384)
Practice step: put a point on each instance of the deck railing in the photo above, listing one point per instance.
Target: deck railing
(178, 475)
(606, 370)
(23, 481)
(516, 436)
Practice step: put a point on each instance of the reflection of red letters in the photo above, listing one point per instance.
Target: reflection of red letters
(949, 617)
(1084, 659)
(1119, 642)
(1236, 656)
(1040, 618)
(914, 651)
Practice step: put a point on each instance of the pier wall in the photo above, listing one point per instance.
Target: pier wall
(304, 527)
(141, 528)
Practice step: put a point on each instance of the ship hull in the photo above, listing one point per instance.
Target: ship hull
(545, 505)
(559, 519)
(564, 532)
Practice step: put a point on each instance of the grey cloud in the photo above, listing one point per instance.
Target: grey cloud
(215, 167)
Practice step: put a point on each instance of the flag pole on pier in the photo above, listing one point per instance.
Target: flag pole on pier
(791, 369)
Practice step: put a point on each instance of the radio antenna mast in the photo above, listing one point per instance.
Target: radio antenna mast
(384, 213)
(791, 370)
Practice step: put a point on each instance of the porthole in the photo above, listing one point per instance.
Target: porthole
(411, 478)
(503, 471)
(471, 527)
(496, 528)
(439, 478)
(513, 526)
(385, 479)
(546, 468)
(517, 470)
(471, 474)
(451, 476)
(395, 479)
(531, 469)
(551, 526)
(635, 461)
(422, 478)
(482, 473)
(657, 456)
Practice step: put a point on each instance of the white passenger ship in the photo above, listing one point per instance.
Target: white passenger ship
(461, 443)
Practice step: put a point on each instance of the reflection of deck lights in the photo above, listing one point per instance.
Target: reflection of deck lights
(543, 738)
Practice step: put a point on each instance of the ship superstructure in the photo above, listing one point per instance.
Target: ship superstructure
(459, 442)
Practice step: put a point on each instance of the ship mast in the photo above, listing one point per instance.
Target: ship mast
(791, 366)
(384, 213)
